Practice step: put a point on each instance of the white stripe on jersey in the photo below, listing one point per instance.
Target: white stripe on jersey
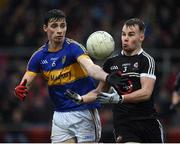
(151, 69)
(131, 74)
(148, 75)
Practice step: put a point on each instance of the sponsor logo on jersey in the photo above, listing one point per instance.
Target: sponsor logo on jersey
(65, 75)
(60, 76)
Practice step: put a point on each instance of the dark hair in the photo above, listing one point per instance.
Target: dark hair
(136, 21)
(53, 14)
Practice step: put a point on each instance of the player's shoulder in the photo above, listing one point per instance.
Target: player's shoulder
(146, 56)
(112, 58)
(75, 44)
(40, 51)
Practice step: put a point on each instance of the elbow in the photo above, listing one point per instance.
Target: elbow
(147, 97)
(147, 94)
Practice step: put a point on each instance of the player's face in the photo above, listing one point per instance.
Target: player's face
(131, 38)
(56, 30)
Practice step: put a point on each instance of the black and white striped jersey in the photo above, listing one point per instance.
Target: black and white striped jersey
(133, 67)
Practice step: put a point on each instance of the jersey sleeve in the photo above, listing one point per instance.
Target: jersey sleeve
(34, 63)
(107, 65)
(78, 50)
(148, 67)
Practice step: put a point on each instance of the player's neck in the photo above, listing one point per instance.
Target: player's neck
(52, 46)
(134, 52)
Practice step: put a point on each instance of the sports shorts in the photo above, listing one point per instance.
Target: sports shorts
(141, 131)
(83, 125)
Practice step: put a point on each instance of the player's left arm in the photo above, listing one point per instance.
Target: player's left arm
(147, 81)
(143, 94)
(90, 96)
(92, 69)
(30, 77)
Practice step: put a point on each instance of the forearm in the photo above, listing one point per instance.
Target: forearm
(90, 97)
(143, 94)
(92, 69)
(137, 96)
(30, 78)
(96, 72)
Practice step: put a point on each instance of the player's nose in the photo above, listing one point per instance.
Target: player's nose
(126, 38)
(59, 30)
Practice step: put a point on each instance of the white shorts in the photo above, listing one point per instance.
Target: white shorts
(85, 125)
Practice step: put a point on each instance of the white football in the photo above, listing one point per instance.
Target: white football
(100, 45)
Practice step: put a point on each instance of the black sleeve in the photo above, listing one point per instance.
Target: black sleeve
(107, 64)
(148, 66)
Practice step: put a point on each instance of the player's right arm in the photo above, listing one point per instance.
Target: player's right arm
(21, 90)
(33, 68)
(29, 76)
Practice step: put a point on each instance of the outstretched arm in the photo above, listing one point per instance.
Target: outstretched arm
(98, 73)
(92, 95)
(89, 97)
(92, 69)
(21, 90)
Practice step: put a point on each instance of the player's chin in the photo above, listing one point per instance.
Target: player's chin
(127, 49)
(59, 40)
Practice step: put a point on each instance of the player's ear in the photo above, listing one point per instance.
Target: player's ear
(141, 37)
(45, 28)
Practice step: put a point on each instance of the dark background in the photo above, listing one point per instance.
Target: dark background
(21, 34)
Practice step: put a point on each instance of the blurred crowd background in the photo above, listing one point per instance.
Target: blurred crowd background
(21, 34)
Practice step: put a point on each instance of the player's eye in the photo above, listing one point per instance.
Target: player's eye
(62, 25)
(123, 34)
(54, 25)
(131, 34)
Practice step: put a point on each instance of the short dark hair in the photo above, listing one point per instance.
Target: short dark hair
(53, 14)
(135, 21)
